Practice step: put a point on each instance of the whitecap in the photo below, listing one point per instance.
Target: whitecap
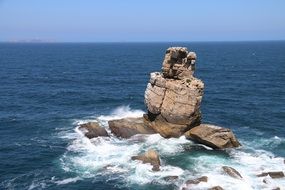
(68, 180)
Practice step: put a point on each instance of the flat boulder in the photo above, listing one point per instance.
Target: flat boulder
(92, 130)
(128, 127)
(151, 157)
(213, 136)
(232, 172)
(273, 175)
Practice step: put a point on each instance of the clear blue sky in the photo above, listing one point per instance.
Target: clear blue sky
(142, 20)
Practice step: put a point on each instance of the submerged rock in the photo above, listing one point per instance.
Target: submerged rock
(216, 188)
(273, 175)
(232, 172)
(213, 136)
(197, 180)
(151, 157)
(92, 130)
(170, 178)
(128, 127)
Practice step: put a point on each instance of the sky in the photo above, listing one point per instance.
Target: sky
(141, 20)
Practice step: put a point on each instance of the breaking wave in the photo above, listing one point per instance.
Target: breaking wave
(111, 157)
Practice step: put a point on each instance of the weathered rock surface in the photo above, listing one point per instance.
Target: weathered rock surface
(164, 128)
(128, 127)
(232, 172)
(152, 157)
(92, 130)
(213, 136)
(178, 63)
(175, 95)
(273, 175)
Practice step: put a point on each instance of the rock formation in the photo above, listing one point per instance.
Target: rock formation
(173, 97)
(92, 130)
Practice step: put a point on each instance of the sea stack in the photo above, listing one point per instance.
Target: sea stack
(173, 96)
(173, 99)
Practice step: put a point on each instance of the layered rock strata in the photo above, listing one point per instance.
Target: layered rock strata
(173, 96)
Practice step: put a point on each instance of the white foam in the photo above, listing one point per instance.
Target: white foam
(110, 156)
(122, 112)
(68, 180)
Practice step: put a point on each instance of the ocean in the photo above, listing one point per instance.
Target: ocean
(46, 90)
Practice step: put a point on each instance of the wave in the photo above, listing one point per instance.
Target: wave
(111, 157)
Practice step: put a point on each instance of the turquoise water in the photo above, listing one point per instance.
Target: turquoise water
(46, 90)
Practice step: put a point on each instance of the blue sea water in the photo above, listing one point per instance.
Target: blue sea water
(46, 90)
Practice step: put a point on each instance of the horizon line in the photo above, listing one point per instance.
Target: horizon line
(179, 41)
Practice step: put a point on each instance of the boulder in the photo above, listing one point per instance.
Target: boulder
(197, 180)
(151, 157)
(92, 130)
(232, 172)
(273, 175)
(213, 136)
(128, 127)
(216, 188)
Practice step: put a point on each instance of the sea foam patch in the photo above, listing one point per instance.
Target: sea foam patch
(111, 157)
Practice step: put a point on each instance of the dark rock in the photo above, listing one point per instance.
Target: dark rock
(93, 129)
(152, 157)
(232, 172)
(197, 180)
(273, 175)
(170, 178)
(277, 188)
(216, 188)
(213, 136)
(128, 127)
